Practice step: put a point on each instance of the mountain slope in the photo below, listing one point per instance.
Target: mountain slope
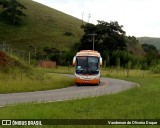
(150, 40)
(135, 48)
(43, 26)
(46, 27)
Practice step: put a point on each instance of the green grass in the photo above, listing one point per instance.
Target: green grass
(113, 72)
(16, 76)
(138, 103)
(33, 81)
(63, 69)
(43, 26)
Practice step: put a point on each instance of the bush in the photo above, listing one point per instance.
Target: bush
(68, 33)
(156, 69)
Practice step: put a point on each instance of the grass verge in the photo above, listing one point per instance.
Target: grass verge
(35, 80)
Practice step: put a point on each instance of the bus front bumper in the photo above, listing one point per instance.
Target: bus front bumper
(87, 81)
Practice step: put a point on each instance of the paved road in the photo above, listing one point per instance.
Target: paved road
(107, 86)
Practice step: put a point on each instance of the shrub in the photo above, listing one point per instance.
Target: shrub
(68, 33)
(156, 69)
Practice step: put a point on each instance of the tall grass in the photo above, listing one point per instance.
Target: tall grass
(33, 80)
(63, 69)
(120, 72)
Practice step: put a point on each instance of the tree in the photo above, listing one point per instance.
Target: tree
(109, 36)
(2, 2)
(149, 48)
(152, 55)
(12, 10)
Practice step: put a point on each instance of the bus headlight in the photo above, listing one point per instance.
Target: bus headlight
(77, 76)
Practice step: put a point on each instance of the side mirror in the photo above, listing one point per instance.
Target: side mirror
(74, 60)
(100, 60)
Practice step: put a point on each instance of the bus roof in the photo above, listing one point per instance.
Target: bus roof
(88, 53)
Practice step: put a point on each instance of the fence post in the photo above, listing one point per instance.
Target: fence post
(29, 58)
(11, 50)
(23, 55)
(3, 47)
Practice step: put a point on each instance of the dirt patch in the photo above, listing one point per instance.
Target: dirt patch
(6, 61)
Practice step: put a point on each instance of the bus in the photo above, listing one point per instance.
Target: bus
(87, 67)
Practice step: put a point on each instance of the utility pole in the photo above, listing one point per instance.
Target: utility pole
(93, 38)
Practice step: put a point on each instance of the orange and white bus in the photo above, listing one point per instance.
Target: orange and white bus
(87, 67)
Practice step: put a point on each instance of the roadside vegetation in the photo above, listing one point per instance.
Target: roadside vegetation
(116, 49)
(32, 81)
(113, 72)
(16, 76)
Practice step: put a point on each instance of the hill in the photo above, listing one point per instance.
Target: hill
(43, 27)
(135, 48)
(150, 40)
(46, 27)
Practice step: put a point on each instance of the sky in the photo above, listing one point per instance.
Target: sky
(139, 17)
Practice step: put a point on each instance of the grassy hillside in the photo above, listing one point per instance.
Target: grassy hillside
(150, 40)
(43, 26)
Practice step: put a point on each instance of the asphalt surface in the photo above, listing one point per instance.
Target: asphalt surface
(107, 86)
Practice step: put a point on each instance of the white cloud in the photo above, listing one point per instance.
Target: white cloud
(139, 17)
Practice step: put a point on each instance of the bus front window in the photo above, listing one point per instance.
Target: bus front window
(87, 65)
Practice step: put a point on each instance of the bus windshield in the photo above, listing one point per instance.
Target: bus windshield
(87, 65)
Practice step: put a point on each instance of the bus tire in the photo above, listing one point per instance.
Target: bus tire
(98, 83)
(78, 84)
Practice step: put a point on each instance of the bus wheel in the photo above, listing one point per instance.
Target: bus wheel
(78, 84)
(98, 83)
